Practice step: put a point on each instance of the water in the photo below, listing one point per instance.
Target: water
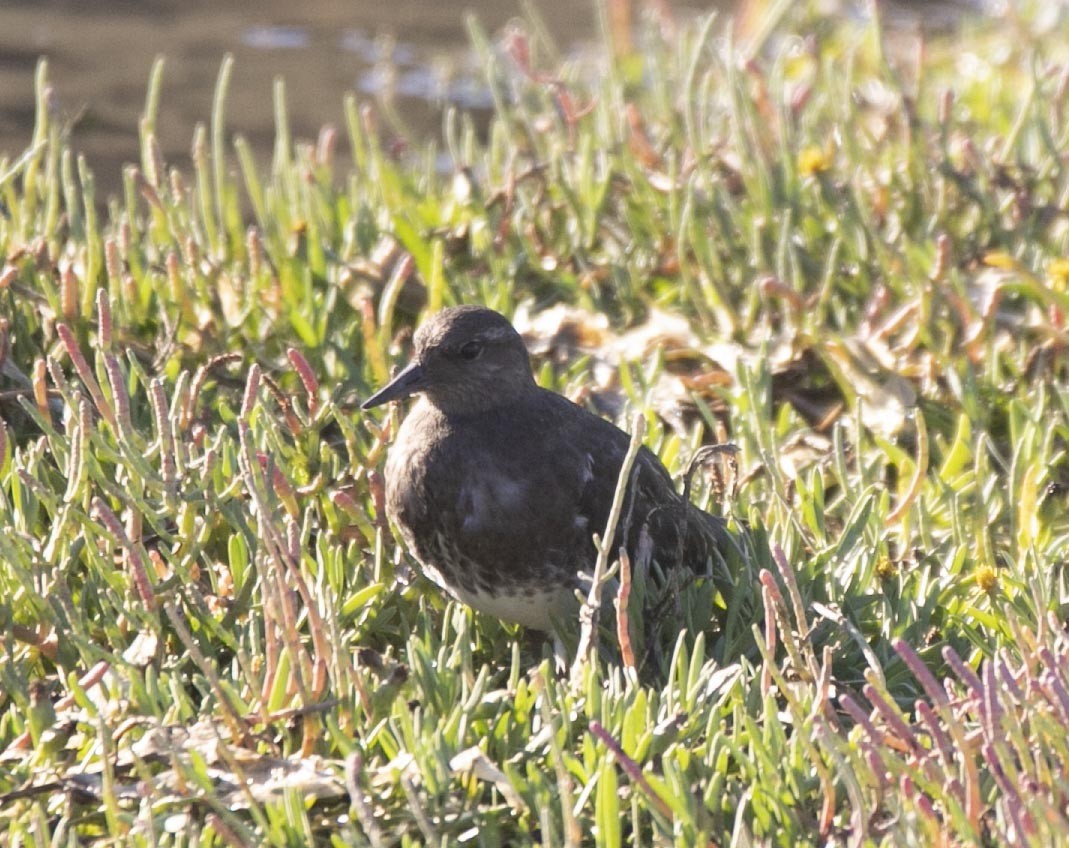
(100, 54)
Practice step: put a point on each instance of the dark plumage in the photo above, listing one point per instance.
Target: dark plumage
(498, 485)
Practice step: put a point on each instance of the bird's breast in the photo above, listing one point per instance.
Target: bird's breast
(408, 466)
(486, 499)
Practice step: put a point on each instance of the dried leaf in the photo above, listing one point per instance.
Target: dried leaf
(473, 760)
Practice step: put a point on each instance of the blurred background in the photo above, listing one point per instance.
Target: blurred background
(413, 54)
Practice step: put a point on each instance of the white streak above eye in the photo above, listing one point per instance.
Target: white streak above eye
(495, 333)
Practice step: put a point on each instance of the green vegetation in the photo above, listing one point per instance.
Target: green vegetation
(846, 254)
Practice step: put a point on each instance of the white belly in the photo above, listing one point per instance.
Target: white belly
(541, 610)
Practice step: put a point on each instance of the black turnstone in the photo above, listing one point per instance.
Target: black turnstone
(498, 485)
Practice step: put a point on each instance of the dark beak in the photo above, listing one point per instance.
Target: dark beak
(401, 386)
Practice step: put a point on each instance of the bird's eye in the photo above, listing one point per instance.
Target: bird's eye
(471, 350)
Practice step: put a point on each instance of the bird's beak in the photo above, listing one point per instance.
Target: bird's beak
(401, 386)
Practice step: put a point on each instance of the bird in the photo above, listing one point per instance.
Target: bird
(498, 485)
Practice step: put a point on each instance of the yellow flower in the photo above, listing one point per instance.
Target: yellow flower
(986, 578)
(886, 569)
(1058, 274)
(1000, 259)
(812, 160)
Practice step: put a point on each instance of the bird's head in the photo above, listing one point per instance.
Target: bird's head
(467, 358)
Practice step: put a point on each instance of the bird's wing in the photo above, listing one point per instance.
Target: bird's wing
(599, 448)
(680, 532)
